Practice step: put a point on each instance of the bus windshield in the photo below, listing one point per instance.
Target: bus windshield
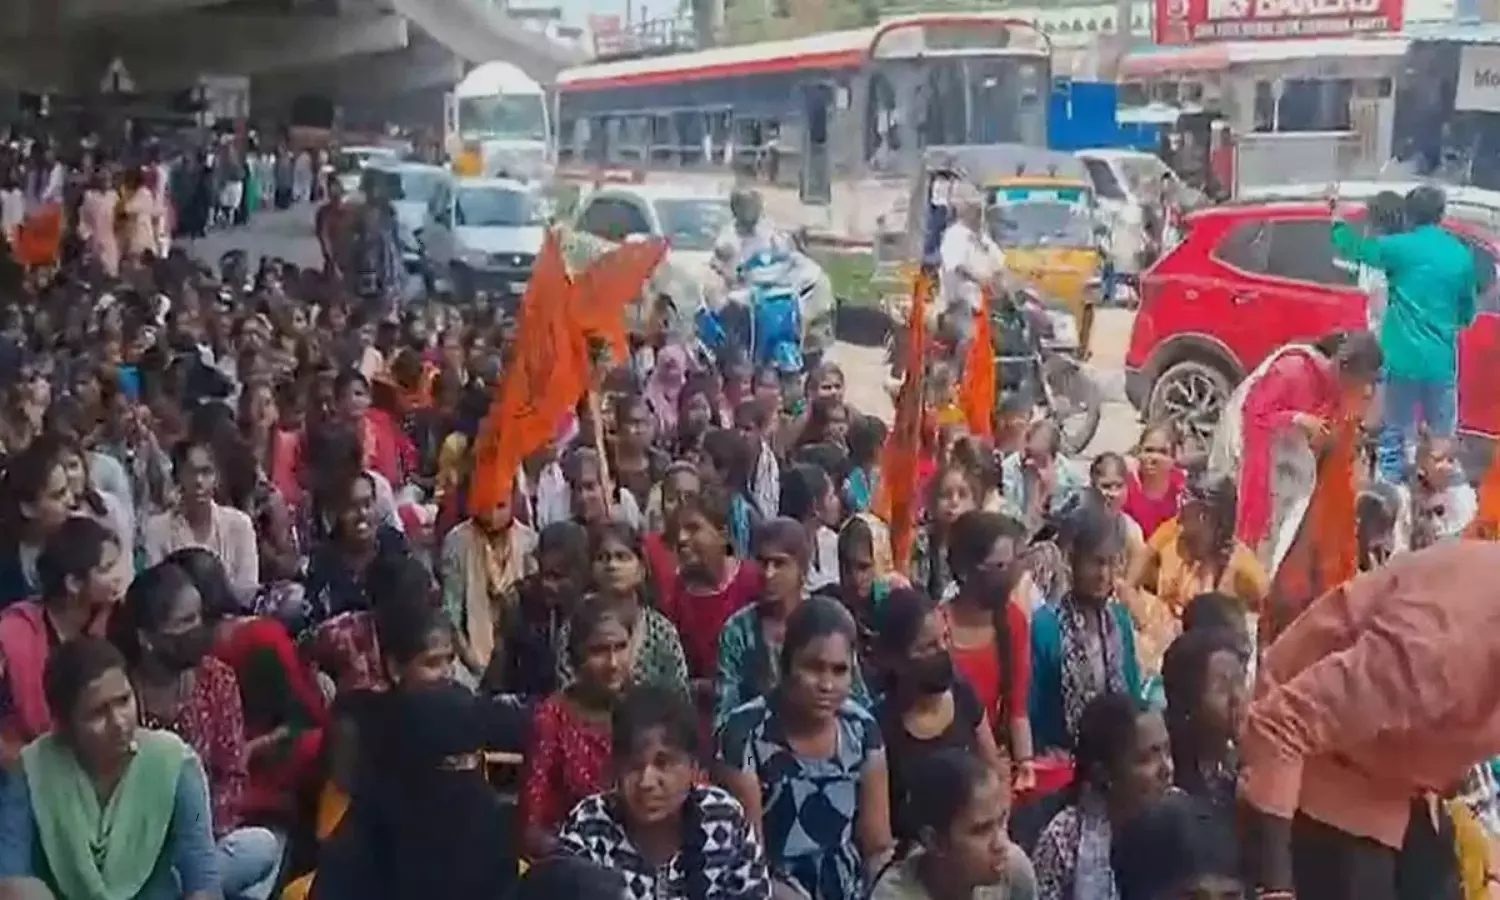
(962, 100)
(519, 117)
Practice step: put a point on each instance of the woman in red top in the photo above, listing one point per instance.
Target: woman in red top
(1291, 406)
(162, 634)
(712, 584)
(988, 634)
(284, 711)
(569, 752)
(387, 450)
(1152, 492)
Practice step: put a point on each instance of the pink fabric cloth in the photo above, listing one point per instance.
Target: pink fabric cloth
(664, 391)
(96, 221)
(386, 448)
(25, 647)
(1301, 381)
(1150, 512)
(286, 454)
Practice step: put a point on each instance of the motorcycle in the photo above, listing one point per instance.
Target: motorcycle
(763, 314)
(1037, 350)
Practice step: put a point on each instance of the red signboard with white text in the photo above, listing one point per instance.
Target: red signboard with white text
(1181, 22)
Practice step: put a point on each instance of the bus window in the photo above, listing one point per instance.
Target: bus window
(595, 140)
(881, 137)
(691, 133)
(635, 134)
(663, 140)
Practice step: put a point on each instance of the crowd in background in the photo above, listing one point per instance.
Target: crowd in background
(255, 641)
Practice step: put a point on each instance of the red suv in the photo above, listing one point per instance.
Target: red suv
(1247, 279)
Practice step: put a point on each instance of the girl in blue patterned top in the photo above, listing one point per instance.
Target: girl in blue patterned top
(809, 765)
(669, 836)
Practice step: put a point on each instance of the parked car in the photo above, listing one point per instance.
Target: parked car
(1249, 278)
(1477, 206)
(1125, 183)
(482, 234)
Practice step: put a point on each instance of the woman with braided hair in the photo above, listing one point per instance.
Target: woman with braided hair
(1198, 553)
(671, 836)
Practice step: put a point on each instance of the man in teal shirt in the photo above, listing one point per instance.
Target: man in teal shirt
(1432, 286)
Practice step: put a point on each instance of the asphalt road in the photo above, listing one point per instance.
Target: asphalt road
(289, 235)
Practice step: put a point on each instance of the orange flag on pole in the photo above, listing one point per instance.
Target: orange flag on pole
(1325, 552)
(608, 286)
(546, 377)
(900, 462)
(977, 395)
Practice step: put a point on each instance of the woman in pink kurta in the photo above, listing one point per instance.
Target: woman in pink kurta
(96, 223)
(140, 216)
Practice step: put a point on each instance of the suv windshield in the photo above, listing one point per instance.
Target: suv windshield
(497, 207)
(1040, 222)
(692, 224)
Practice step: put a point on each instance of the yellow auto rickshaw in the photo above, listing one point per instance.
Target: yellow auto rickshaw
(1039, 210)
(1046, 226)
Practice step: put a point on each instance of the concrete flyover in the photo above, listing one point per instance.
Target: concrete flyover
(478, 31)
(405, 85)
(67, 45)
(168, 44)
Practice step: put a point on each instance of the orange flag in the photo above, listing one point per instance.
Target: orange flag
(608, 286)
(544, 381)
(977, 395)
(897, 501)
(39, 241)
(1325, 552)
(1486, 524)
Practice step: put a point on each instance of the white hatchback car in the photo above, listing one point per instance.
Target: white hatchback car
(483, 235)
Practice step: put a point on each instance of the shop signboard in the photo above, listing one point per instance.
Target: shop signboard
(1180, 22)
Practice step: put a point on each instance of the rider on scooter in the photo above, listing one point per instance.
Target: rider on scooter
(750, 236)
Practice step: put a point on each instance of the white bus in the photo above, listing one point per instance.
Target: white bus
(831, 120)
(505, 112)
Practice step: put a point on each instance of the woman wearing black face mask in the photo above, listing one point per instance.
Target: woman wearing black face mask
(927, 706)
(162, 634)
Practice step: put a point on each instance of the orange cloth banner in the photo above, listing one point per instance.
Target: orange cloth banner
(40, 242)
(1325, 552)
(898, 502)
(551, 369)
(609, 285)
(977, 394)
(1486, 524)
(547, 375)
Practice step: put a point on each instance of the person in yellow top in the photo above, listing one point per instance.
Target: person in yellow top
(1194, 553)
(469, 163)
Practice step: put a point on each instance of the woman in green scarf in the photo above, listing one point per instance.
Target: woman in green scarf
(126, 815)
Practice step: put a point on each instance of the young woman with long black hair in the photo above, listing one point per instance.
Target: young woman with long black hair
(1123, 762)
(963, 849)
(568, 757)
(927, 708)
(1085, 645)
(809, 765)
(1204, 676)
(672, 837)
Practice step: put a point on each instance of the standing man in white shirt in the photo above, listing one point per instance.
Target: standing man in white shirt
(968, 262)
